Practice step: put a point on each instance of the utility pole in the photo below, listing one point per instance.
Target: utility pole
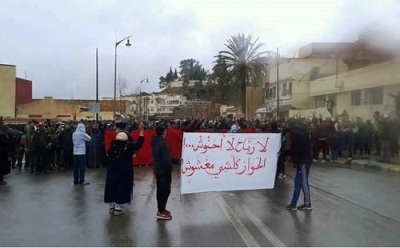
(97, 82)
(277, 83)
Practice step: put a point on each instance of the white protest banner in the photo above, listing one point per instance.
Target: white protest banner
(227, 162)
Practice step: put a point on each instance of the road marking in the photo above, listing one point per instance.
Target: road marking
(272, 238)
(247, 238)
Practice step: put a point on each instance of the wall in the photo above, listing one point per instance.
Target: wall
(368, 77)
(299, 72)
(23, 91)
(7, 89)
(254, 100)
(386, 75)
(54, 108)
(366, 111)
(48, 108)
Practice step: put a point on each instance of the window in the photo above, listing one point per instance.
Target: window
(290, 89)
(284, 92)
(319, 102)
(272, 93)
(373, 96)
(152, 102)
(356, 98)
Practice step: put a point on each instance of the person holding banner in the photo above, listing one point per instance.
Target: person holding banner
(301, 154)
(162, 165)
(119, 181)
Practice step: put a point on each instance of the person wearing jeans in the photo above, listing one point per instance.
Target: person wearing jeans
(79, 139)
(301, 153)
(301, 184)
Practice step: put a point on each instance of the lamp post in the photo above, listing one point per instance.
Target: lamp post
(277, 80)
(277, 83)
(140, 93)
(128, 44)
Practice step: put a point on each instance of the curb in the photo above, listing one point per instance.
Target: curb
(372, 165)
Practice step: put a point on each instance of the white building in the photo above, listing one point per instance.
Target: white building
(163, 105)
(155, 105)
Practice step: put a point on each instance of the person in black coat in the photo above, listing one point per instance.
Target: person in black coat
(162, 166)
(280, 169)
(5, 155)
(119, 181)
(67, 147)
(301, 154)
(95, 148)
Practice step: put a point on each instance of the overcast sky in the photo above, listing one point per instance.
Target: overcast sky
(54, 42)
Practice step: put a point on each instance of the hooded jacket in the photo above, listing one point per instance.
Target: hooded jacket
(300, 148)
(162, 162)
(79, 138)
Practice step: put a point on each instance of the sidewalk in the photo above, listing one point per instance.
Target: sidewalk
(372, 163)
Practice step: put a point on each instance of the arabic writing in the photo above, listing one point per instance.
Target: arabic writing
(236, 164)
(215, 154)
(226, 142)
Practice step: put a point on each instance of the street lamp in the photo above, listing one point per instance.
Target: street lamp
(140, 93)
(128, 44)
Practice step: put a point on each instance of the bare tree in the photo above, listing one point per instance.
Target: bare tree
(122, 87)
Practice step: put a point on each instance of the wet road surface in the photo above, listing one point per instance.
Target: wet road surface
(351, 208)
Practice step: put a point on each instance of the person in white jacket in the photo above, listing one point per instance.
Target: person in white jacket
(79, 138)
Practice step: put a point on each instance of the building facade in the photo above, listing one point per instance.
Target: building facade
(360, 92)
(155, 105)
(159, 105)
(294, 77)
(7, 89)
(23, 91)
(49, 108)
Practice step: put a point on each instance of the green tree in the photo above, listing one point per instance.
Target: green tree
(175, 74)
(225, 88)
(163, 83)
(244, 64)
(170, 76)
(192, 70)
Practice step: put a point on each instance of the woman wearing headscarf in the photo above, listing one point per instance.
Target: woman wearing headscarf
(119, 181)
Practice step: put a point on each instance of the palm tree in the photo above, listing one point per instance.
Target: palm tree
(244, 63)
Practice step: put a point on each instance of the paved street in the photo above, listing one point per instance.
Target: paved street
(351, 208)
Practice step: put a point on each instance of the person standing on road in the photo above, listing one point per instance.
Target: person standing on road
(95, 148)
(119, 181)
(79, 139)
(280, 170)
(301, 154)
(67, 146)
(162, 166)
(41, 142)
(5, 154)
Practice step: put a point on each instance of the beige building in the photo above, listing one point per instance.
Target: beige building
(360, 92)
(254, 101)
(228, 111)
(8, 90)
(294, 78)
(49, 108)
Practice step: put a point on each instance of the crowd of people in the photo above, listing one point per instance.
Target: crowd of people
(76, 145)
